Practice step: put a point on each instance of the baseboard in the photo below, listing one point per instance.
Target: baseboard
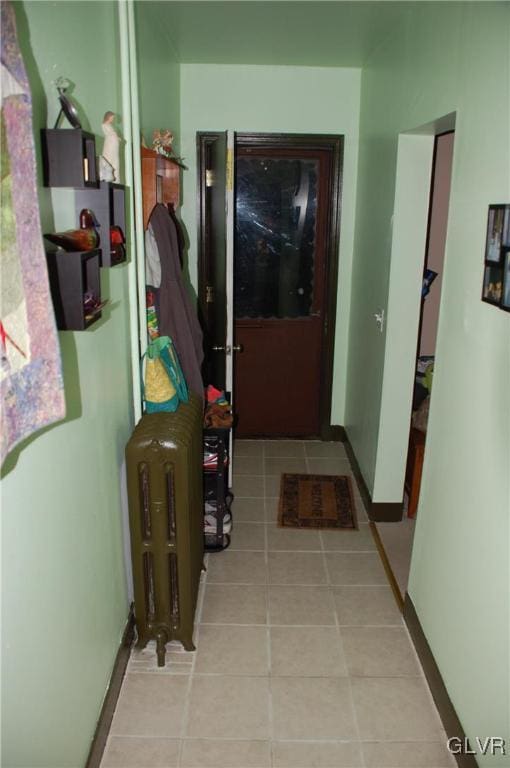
(387, 567)
(333, 433)
(112, 694)
(447, 713)
(378, 512)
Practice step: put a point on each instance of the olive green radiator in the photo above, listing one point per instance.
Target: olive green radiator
(164, 475)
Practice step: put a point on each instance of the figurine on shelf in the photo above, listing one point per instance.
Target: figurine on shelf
(110, 149)
(162, 140)
(67, 107)
(84, 239)
(106, 172)
(117, 247)
(92, 305)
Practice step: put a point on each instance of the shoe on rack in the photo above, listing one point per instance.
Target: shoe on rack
(211, 523)
(211, 460)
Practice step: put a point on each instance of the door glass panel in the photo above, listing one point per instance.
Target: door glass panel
(276, 211)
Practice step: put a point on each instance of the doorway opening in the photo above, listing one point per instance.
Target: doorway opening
(397, 539)
(429, 314)
(287, 191)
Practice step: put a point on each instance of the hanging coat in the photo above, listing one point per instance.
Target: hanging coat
(177, 315)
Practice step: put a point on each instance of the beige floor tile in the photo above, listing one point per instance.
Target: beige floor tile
(229, 707)
(348, 541)
(150, 705)
(248, 486)
(136, 752)
(248, 510)
(272, 505)
(359, 568)
(296, 568)
(292, 539)
(273, 484)
(202, 753)
(329, 466)
(361, 510)
(301, 605)
(248, 465)
(276, 466)
(312, 708)
(248, 536)
(365, 606)
(237, 568)
(318, 450)
(234, 604)
(424, 754)
(307, 652)
(248, 447)
(395, 709)
(232, 650)
(379, 651)
(284, 448)
(302, 754)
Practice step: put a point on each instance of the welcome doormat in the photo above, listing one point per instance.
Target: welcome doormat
(316, 501)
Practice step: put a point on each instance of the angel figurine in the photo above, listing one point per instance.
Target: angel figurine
(110, 149)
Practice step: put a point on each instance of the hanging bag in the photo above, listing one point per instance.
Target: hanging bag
(165, 385)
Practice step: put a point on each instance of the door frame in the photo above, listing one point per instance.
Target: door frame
(300, 141)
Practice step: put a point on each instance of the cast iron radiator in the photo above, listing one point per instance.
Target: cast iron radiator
(164, 476)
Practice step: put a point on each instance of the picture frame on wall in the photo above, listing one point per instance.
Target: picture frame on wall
(506, 227)
(505, 297)
(498, 222)
(496, 278)
(492, 290)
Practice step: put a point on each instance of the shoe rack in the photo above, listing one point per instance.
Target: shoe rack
(217, 497)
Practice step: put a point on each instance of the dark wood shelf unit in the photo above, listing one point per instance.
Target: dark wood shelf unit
(160, 182)
(69, 158)
(107, 202)
(71, 275)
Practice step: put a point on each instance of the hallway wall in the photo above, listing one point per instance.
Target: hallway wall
(64, 594)
(158, 75)
(278, 100)
(445, 58)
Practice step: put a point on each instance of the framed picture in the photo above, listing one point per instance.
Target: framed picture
(498, 231)
(505, 298)
(506, 227)
(492, 290)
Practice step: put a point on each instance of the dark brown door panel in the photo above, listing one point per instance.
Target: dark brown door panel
(276, 377)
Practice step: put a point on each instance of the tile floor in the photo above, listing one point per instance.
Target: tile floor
(302, 661)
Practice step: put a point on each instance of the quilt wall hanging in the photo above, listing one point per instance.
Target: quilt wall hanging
(31, 385)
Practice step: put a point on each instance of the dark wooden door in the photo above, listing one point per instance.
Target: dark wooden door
(212, 290)
(284, 211)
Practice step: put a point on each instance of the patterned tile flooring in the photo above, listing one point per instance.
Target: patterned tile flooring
(302, 660)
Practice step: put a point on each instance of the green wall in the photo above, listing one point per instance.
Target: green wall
(159, 76)
(273, 100)
(64, 592)
(445, 58)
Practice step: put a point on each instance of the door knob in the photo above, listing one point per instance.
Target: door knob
(225, 349)
(238, 348)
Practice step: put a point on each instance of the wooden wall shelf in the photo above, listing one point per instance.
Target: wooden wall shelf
(160, 182)
(69, 158)
(72, 275)
(107, 203)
